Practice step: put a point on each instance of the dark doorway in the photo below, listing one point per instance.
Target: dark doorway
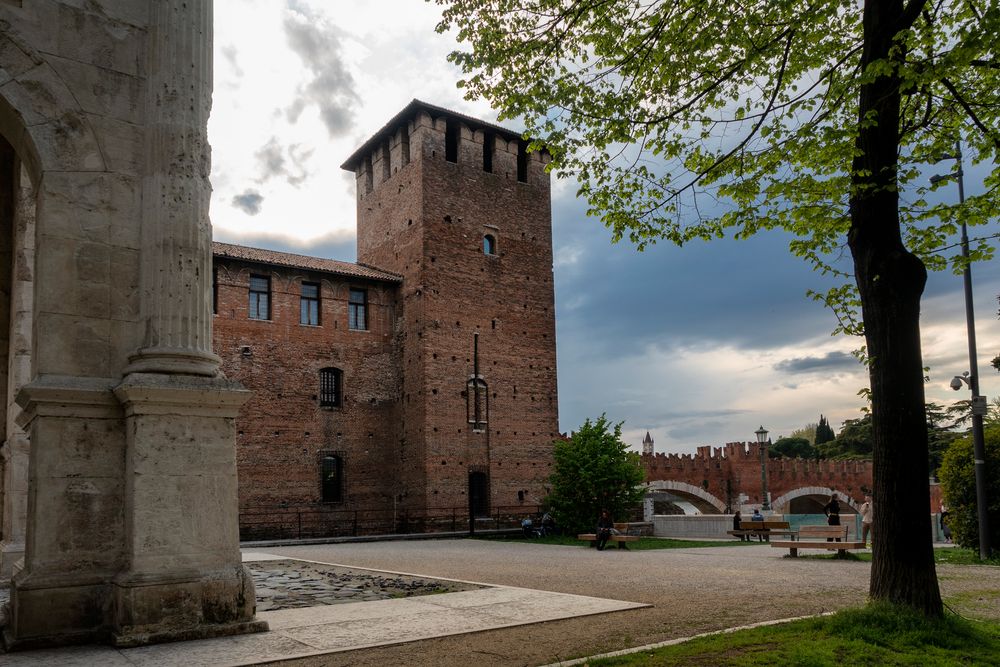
(479, 494)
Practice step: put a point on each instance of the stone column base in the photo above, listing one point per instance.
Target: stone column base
(215, 605)
(10, 554)
(56, 611)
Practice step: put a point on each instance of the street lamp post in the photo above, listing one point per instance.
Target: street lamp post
(972, 379)
(761, 434)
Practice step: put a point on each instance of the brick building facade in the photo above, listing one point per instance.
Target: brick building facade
(422, 377)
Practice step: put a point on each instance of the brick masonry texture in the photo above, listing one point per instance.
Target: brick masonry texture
(726, 472)
(403, 430)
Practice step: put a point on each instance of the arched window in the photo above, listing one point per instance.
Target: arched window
(330, 390)
(332, 478)
(490, 244)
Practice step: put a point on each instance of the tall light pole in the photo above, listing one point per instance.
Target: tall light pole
(978, 402)
(761, 434)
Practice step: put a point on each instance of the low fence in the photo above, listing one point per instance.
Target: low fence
(281, 522)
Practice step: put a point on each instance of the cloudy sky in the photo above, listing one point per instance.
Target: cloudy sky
(699, 345)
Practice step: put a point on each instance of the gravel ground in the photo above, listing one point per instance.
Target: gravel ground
(692, 590)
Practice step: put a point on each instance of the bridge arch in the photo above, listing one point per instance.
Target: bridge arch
(818, 495)
(704, 501)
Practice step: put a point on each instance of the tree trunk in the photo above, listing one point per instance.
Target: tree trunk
(890, 281)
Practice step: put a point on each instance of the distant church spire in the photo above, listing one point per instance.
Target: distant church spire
(647, 444)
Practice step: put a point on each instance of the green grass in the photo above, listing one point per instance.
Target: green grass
(644, 543)
(949, 555)
(874, 635)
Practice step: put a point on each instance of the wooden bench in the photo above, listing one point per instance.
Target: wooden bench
(763, 529)
(815, 537)
(621, 538)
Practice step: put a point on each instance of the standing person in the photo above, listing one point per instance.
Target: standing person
(945, 529)
(866, 519)
(832, 512)
(604, 526)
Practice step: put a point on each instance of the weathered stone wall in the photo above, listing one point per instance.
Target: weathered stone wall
(130, 520)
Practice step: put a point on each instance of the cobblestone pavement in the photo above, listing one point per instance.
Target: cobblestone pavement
(289, 584)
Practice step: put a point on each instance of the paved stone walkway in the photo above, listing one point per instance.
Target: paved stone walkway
(345, 626)
(292, 584)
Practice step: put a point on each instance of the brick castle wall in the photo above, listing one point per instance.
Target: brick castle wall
(726, 472)
(425, 219)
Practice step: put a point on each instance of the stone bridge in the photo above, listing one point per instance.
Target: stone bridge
(718, 480)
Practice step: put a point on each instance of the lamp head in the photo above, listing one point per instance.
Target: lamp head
(938, 178)
(761, 434)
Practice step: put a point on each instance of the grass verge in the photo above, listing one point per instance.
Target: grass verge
(879, 634)
(948, 555)
(644, 543)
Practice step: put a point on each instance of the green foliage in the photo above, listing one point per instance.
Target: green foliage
(879, 634)
(658, 106)
(958, 481)
(940, 422)
(792, 448)
(807, 432)
(643, 544)
(594, 470)
(823, 431)
(854, 440)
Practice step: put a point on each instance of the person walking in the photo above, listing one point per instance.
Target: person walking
(866, 519)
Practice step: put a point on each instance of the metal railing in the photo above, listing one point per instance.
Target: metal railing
(286, 522)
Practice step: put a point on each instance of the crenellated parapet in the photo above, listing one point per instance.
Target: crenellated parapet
(734, 471)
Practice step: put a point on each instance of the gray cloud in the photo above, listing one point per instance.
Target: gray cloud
(339, 245)
(277, 161)
(331, 88)
(830, 360)
(249, 202)
(229, 53)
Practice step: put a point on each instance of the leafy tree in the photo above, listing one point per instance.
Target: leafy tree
(688, 119)
(792, 448)
(940, 422)
(823, 431)
(594, 470)
(958, 481)
(853, 442)
(807, 432)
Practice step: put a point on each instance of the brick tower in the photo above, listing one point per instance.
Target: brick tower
(461, 210)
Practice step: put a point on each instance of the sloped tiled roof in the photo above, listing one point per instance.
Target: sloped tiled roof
(275, 258)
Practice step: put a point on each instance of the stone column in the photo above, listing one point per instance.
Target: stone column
(15, 449)
(176, 232)
(182, 576)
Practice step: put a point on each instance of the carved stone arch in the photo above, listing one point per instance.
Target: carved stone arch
(686, 490)
(41, 118)
(783, 500)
